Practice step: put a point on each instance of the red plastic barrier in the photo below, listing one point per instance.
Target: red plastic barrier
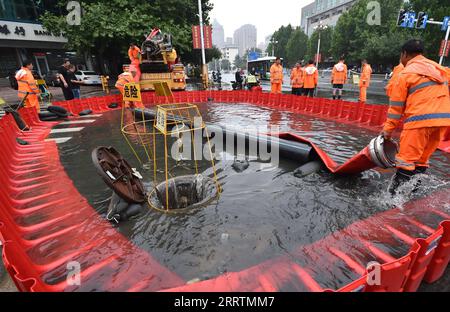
(441, 257)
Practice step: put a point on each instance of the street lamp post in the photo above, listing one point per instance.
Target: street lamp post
(202, 38)
(273, 42)
(319, 28)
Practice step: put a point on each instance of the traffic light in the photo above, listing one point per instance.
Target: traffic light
(422, 19)
(402, 18)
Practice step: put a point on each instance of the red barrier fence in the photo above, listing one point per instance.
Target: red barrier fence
(45, 222)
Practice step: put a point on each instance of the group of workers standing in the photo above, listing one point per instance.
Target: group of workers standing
(304, 80)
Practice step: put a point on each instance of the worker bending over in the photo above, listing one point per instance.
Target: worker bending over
(27, 85)
(297, 79)
(421, 96)
(364, 82)
(339, 78)
(311, 79)
(134, 53)
(276, 76)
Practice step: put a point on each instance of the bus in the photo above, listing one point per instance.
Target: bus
(261, 66)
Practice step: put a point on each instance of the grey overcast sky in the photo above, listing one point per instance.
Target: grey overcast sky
(266, 15)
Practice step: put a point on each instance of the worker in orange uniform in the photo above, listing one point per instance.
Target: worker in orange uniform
(339, 78)
(134, 53)
(421, 96)
(310, 79)
(27, 85)
(394, 76)
(297, 79)
(276, 76)
(364, 82)
(126, 77)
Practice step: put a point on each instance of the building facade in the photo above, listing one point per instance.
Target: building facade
(229, 53)
(218, 35)
(245, 38)
(23, 37)
(326, 12)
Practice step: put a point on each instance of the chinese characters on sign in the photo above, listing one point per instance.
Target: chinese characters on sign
(161, 120)
(132, 92)
(19, 31)
(4, 30)
(196, 38)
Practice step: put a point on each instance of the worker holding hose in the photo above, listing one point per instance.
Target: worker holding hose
(420, 96)
(27, 87)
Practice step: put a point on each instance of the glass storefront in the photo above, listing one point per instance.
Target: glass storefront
(26, 10)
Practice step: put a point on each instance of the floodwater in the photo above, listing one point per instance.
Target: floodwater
(264, 212)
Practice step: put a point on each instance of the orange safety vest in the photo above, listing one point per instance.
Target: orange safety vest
(276, 73)
(339, 73)
(311, 77)
(366, 73)
(395, 74)
(133, 54)
(123, 79)
(26, 82)
(297, 77)
(421, 95)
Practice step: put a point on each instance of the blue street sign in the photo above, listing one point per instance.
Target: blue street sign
(445, 23)
(411, 19)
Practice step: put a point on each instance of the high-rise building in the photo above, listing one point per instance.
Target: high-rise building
(229, 41)
(218, 34)
(229, 52)
(325, 11)
(245, 38)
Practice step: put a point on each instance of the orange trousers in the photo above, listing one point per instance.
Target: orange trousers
(135, 65)
(417, 146)
(362, 94)
(276, 88)
(32, 101)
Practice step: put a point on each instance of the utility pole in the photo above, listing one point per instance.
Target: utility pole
(319, 28)
(202, 38)
(444, 52)
(273, 42)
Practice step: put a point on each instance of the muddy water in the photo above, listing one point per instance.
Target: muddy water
(264, 212)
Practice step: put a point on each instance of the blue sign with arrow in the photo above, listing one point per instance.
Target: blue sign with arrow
(445, 23)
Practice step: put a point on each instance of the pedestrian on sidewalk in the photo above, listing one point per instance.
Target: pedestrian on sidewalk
(27, 86)
(297, 74)
(311, 79)
(364, 82)
(276, 76)
(63, 73)
(74, 83)
(339, 78)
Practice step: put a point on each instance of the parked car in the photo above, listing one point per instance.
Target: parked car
(51, 78)
(88, 77)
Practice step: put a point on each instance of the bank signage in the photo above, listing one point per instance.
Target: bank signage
(29, 32)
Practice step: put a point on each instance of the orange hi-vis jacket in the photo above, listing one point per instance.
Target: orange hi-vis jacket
(123, 79)
(297, 77)
(366, 73)
(276, 73)
(421, 95)
(133, 54)
(27, 83)
(339, 73)
(311, 78)
(395, 74)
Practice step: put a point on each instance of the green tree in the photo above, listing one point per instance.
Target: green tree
(240, 62)
(107, 26)
(432, 35)
(356, 39)
(296, 47)
(225, 64)
(326, 37)
(282, 35)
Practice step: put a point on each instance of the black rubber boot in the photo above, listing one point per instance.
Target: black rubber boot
(339, 97)
(402, 176)
(334, 97)
(419, 170)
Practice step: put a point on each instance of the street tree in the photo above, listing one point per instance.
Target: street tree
(282, 35)
(107, 26)
(326, 37)
(296, 47)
